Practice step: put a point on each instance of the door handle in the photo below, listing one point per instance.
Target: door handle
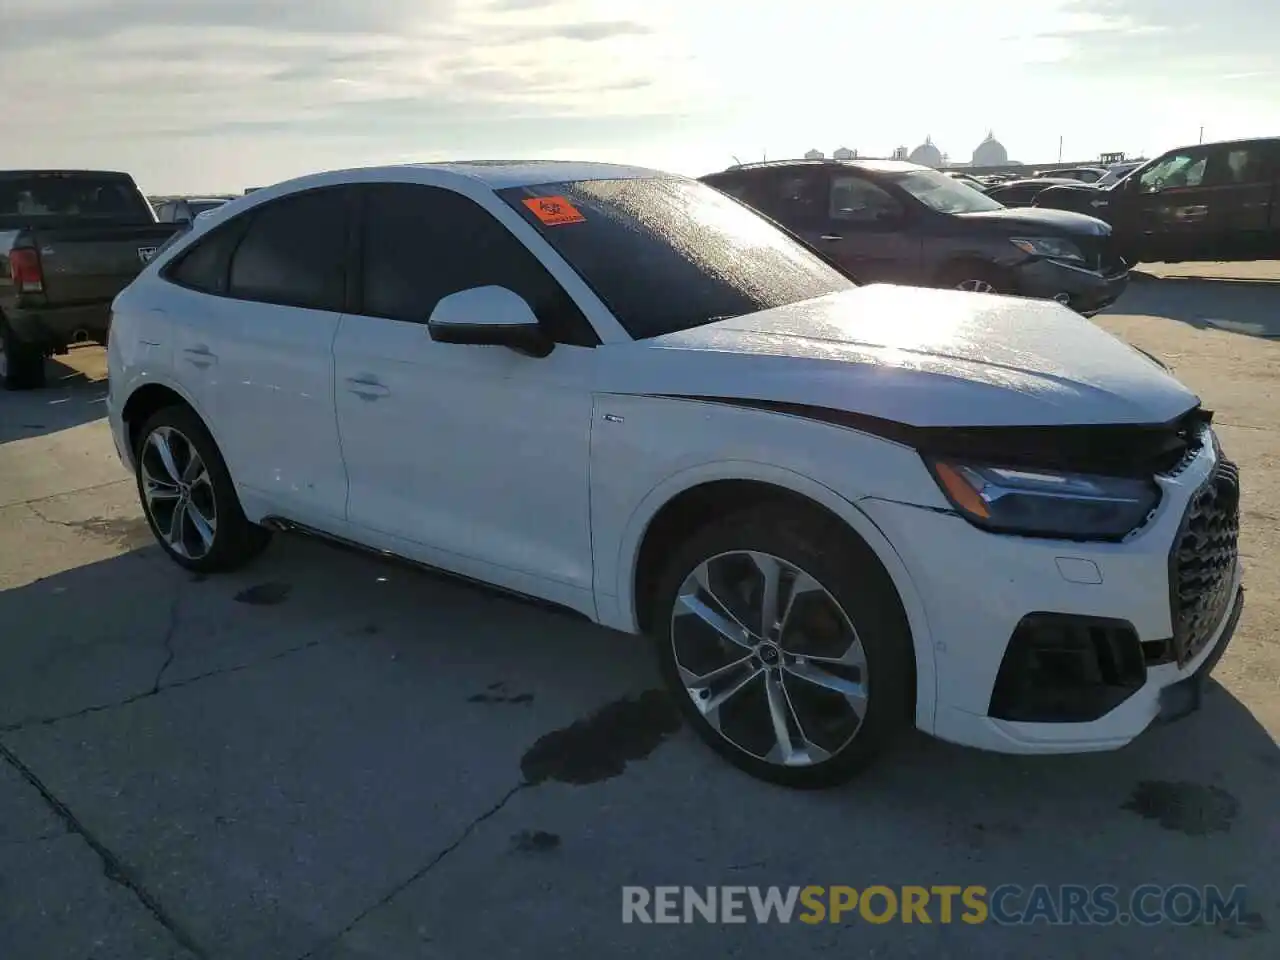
(200, 356)
(368, 389)
(830, 237)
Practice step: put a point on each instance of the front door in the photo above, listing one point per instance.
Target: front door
(847, 218)
(469, 458)
(867, 233)
(1170, 218)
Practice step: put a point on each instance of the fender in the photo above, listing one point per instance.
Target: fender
(625, 616)
(148, 379)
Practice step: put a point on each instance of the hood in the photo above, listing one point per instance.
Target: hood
(925, 358)
(1054, 222)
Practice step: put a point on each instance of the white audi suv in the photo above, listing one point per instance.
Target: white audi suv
(838, 510)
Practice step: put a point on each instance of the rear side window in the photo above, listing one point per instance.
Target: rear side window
(294, 253)
(205, 266)
(423, 243)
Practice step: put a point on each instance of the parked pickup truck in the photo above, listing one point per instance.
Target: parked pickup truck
(70, 240)
(1213, 201)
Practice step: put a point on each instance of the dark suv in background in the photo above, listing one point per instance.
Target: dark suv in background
(1213, 201)
(887, 221)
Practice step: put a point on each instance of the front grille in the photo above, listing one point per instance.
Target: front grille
(1202, 561)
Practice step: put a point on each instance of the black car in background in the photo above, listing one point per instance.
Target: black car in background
(888, 221)
(186, 209)
(1213, 201)
(1022, 193)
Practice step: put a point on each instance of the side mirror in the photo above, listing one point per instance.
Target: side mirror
(489, 316)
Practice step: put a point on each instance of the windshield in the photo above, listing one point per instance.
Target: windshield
(1115, 175)
(945, 194)
(47, 196)
(669, 254)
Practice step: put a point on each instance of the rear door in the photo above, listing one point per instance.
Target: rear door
(260, 349)
(1240, 180)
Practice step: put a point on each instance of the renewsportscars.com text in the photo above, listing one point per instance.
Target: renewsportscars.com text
(1008, 904)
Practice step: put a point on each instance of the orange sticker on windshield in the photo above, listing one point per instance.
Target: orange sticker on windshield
(554, 211)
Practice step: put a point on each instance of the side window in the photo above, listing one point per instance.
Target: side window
(1239, 165)
(204, 267)
(860, 201)
(798, 197)
(294, 252)
(1184, 169)
(164, 213)
(423, 243)
(737, 188)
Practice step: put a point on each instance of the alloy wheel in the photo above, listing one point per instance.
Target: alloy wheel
(769, 658)
(178, 493)
(976, 286)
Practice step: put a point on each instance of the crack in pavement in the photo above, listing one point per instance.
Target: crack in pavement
(418, 875)
(168, 637)
(41, 838)
(64, 493)
(112, 867)
(177, 684)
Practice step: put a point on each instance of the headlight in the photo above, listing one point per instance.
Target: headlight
(1050, 247)
(1041, 503)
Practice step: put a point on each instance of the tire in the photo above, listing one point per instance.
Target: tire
(21, 364)
(213, 534)
(829, 743)
(973, 276)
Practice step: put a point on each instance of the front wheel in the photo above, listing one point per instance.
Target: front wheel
(973, 277)
(785, 645)
(188, 497)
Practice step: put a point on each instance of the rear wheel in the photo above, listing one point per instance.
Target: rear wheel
(785, 646)
(21, 364)
(188, 497)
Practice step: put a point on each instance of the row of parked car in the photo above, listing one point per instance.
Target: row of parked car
(71, 240)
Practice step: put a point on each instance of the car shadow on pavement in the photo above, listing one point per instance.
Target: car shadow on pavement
(68, 399)
(1248, 307)
(274, 755)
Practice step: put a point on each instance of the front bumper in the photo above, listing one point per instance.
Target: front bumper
(979, 588)
(1085, 291)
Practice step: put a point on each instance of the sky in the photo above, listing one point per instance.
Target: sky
(218, 95)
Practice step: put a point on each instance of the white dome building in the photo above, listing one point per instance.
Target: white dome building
(813, 155)
(927, 155)
(844, 153)
(990, 153)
